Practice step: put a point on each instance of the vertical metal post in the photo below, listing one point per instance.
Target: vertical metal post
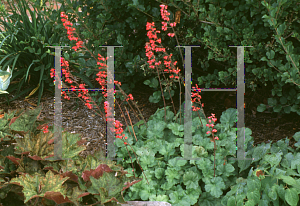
(110, 98)
(57, 106)
(240, 104)
(188, 139)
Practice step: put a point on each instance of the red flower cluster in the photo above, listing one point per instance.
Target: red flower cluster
(101, 75)
(45, 129)
(151, 46)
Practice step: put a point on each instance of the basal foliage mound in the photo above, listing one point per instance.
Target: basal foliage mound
(31, 175)
(272, 178)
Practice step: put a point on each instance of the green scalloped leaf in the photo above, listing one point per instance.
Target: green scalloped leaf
(37, 186)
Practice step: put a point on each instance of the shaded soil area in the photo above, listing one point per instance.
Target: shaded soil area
(77, 118)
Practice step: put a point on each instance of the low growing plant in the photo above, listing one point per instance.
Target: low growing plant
(27, 170)
(192, 182)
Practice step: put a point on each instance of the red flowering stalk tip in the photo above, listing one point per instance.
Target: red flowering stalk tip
(151, 46)
(45, 129)
(198, 97)
(212, 125)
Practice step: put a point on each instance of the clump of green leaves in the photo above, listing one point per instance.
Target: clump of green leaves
(187, 182)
